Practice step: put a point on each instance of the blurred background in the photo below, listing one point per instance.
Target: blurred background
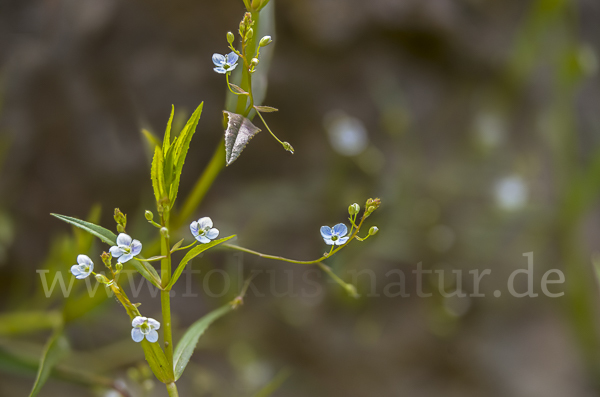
(475, 121)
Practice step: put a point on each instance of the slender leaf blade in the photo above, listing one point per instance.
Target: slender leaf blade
(266, 109)
(191, 254)
(158, 361)
(167, 138)
(187, 344)
(238, 89)
(181, 148)
(56, 348)
(148, 272)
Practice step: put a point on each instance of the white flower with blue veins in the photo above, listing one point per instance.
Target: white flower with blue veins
(336, 235)
(203, 230)
(126, 248)
(83, 268)
(144, 327)
(225, 63)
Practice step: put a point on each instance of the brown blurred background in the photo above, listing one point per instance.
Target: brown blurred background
(475, 121)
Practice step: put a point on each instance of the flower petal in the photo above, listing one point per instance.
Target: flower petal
(84, 260)
(136, 335)
(231, 67)
(153, 323)
(115, 251)
(205, 223)
(202, 239)
(340, 230)
(194, 228)
(220, 70)
(125, 257)
(136, 247)
(124, 239)
(75, 270)
(232, 58)
(152, 336)
(139, 320)
(328, 241)
(212, 234)
(342, 241)
(218, 59)
(326, 232)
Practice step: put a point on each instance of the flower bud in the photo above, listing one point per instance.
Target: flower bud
(373, 230)
(101, 278)
(164, 231)
(265, 41)
(288, 147)
(120, 229)
(120, 217)
(353, 209)
(254, 61)
(249, 34)
(119, 266)
(230, 37)
(149, 215)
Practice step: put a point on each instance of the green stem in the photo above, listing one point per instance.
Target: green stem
(280, 258)
(172, 389)
(268, 129)
(165, 298)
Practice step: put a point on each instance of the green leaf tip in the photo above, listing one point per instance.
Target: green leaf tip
(239, 132)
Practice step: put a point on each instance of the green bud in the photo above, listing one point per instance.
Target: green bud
(288, 147)
(254, 61)
(120, 217)
(353, 209)
(149, 215)
(265, 41)
(101, 278)
(373, 230)
(120, 229)
(119, 266)
(249, 34)
(230, 37)
(164, 231)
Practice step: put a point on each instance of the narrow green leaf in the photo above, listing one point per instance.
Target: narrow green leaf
(187, 344)
(239, 132)
(181, 148)
(154, 175)
(158, 361)
(21, 322)
(148, 272)
(151, 138)
(103, 234)
(194, 252)
(56, 348)
(167, 138)
(266, 109)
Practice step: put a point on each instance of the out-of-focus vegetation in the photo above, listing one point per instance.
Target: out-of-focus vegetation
(475, 121)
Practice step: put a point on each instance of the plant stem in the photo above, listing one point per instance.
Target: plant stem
(165, 298)
(172, 389)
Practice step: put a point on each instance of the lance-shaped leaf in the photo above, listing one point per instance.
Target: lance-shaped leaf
(187, 344)
(56, 348)
(109, 237)
(239, 132)
(191, 254)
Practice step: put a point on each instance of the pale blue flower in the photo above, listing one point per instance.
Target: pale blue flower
(144, 327)
(203, 230)
(126, 248)
(84, 267)
(336, 235)
(225, 63)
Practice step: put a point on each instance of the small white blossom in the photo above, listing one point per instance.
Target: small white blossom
(84, 267)
(203, 230)
(225, 63)
(336, 235)
(126, 248)
(144, 327)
